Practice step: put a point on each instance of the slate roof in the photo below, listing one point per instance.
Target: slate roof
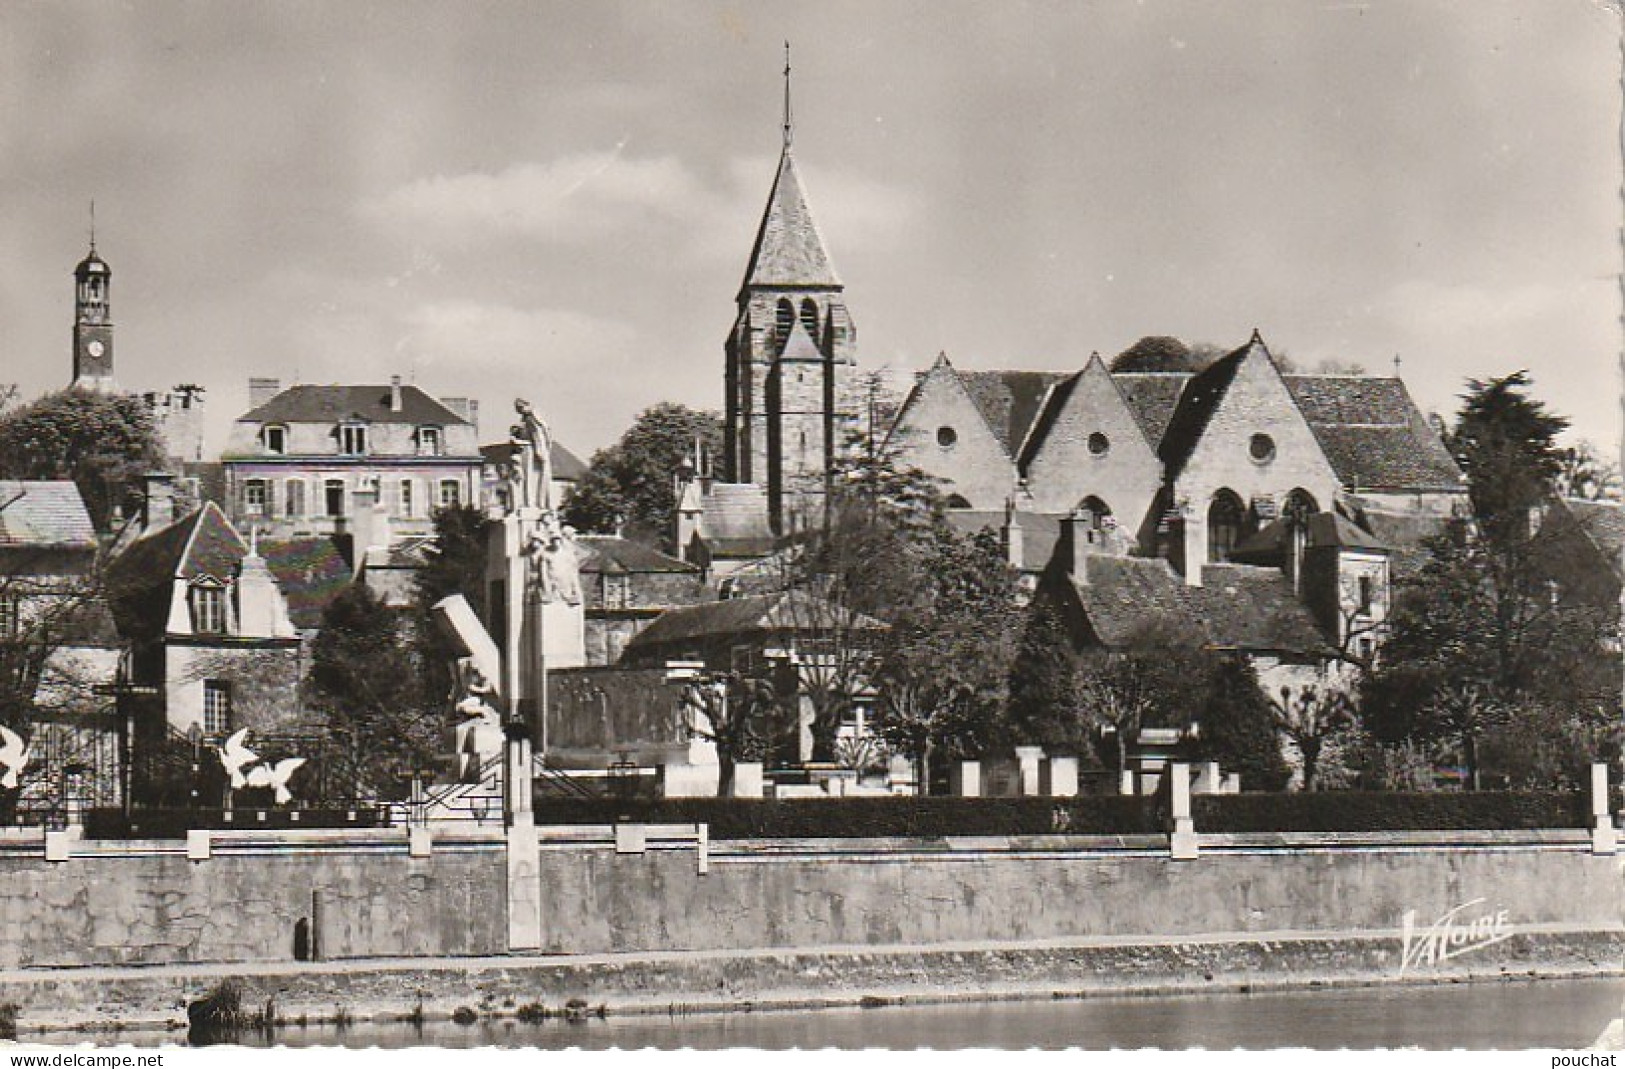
(1268, 543)
(1153, 396)
(310, 572)
(203, 543)
(567, 467)
(330, 404)
(788, 249)
(1238, 607)
(1010, 400)
(1373, 434)
(44, 514)
(736, 522)
(763, 614)
(1402, 532)
(614, 555)
(1603, 524)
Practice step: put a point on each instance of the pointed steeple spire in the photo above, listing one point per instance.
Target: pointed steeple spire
(789, 251)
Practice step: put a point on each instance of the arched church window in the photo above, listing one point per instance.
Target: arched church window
(1300, 505)
(1226, 522)
(809, 317)
(955, 501)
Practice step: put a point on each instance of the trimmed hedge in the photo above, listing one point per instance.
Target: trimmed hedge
(175, 823)
(861, 818)
(1391, 811)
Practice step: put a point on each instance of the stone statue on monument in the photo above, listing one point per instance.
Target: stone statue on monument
(555, 562)
(534, 459)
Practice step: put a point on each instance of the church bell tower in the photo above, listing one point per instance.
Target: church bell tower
(789, 356)
(93, 323)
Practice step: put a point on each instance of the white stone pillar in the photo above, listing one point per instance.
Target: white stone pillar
(1604, 836)
(1182, 836)
(1028, 759)
(966, 779)
(1059, 778)
(747, 779)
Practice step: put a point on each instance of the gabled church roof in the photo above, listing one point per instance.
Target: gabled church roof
(788, 249)
(1009, 400)
(1373, 434)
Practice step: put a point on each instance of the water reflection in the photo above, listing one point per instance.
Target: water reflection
(1487, 1016)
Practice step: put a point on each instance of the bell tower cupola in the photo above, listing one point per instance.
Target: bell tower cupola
(93, 322)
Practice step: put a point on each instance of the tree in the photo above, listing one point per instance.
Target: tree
(1161, 353)
(944, 665)
(1238, 726)
(1506, 443)
(1043, 685)
(1313, 717)
(105, 443)
(738, 713)
(1586, 474)
(1478, 632)
(1068, 699)
(631, 485)
(456, 565)
(364, 685)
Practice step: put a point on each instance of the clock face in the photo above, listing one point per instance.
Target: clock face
(96, 348)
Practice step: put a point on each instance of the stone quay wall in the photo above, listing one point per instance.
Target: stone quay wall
(257, 897)
(244, 896)
(807, 893)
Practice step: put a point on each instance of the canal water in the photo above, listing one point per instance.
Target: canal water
(1508, 1015)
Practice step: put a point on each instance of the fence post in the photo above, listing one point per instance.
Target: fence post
(1604, 836)
(966, 779)
(1182, 845)
(199, 844)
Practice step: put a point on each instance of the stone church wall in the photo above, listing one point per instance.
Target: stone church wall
(973, 464)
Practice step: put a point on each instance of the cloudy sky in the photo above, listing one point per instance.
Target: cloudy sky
(556, 200)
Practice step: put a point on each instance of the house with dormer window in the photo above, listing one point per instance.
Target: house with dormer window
(306, 460)
(215, 622)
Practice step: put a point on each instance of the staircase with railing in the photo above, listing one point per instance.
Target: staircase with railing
(480, 798)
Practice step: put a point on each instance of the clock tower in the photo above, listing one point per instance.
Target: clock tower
(92, 324)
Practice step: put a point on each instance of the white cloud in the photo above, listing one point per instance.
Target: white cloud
(498, 338)
(573, 198)
(596, 195)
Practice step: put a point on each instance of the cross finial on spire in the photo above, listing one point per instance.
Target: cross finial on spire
(787, 123)
(1396, 365)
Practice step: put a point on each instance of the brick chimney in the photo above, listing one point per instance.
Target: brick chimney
(1084, 539)
(159, 510)
(262, 390)
(371, 525)
(394, 393)
(1012, 536)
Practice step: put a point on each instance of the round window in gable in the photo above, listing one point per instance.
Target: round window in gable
(1262, 448)
(946, 437)
(1099, 444)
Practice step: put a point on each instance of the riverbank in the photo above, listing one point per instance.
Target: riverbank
(103, 999)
